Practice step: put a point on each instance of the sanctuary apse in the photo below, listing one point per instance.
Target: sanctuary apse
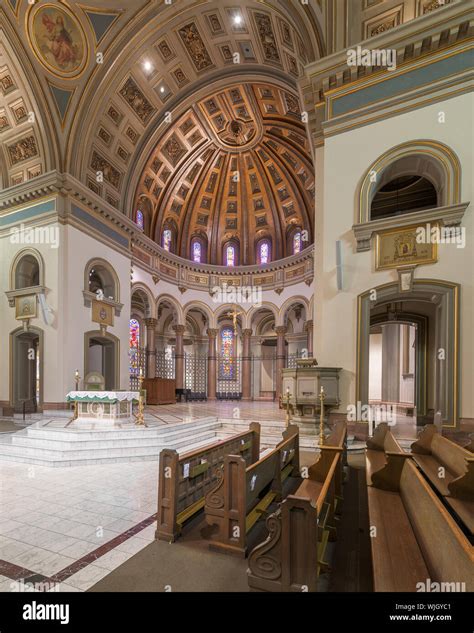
(235, 251)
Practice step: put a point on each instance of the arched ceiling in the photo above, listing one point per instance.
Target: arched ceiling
(235, 165)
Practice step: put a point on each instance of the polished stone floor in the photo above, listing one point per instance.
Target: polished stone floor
(66, 528)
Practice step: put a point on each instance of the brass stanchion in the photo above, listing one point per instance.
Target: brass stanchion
(322, 395)
(287, 406)
(77, 380)
(140, 419)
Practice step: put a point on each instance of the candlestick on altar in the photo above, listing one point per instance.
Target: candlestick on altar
(322, 395)
(77, 379)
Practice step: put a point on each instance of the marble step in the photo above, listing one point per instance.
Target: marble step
(97, 452)
(62, 463)
(76, 434)
(174, 436)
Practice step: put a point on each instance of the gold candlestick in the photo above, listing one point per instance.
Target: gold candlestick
(287, 406)
(77, 379)
(140, 419)
(322, 395)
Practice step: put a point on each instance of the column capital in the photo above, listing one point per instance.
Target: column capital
(179, 329)
(281, 329)
(212, 332)
(247, 332)
(308, 325)
(151, 323)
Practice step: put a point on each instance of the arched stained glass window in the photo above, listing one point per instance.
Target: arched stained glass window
(264, 252)
(134, 347)
(140, 220)
(197, 251)
(227, 353)
(167, 239)
(297, 242)
(230, 255)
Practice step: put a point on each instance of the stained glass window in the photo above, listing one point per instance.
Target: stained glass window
(297, 242)
(227, 353)
(230, 255)
(134, 345)
(197, 251)
(167, 239)
(140, 221)
(264, 252)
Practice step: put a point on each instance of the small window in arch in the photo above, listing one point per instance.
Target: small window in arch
(197, 251)
(167, 239)
(230, 255)
(140, 220)
(264, 252)
(297, 243)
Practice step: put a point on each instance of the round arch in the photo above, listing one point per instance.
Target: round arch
(289, 303)
(98, 262)
(16, 261)
(437, 161)
(202, 307)
(142, 287)
(175, 305)
(255, 309)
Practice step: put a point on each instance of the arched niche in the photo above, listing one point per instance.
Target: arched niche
(437, 169)
(101, 282)
(27, 270)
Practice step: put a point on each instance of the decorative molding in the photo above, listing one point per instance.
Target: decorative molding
(450, 215)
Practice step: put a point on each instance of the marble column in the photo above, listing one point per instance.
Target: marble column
(211, 363)
(151, 347)
(246, 365)
(390, 362)
(309, 335)
(179, 356)
(280, 357)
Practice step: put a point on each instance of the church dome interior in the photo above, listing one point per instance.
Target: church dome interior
(234, 170)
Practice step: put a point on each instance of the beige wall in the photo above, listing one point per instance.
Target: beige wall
(345, 159)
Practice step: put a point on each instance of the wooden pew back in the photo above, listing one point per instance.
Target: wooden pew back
(184, 481)
(447, 552)
(290, 557)
(238, 489)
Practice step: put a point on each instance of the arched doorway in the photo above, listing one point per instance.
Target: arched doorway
(433, 307)
(101, 354)
(26, 392)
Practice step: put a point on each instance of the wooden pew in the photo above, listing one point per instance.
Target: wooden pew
(384, 459)
(450, 469)
(183, 482)
(414, 538)
(292, 556)
(244, 492)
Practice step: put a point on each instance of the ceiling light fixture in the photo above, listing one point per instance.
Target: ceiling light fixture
(237, 18)
(162, 89)
(147, 66)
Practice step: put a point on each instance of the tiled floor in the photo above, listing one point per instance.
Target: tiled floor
(66, 528)
(73, 525)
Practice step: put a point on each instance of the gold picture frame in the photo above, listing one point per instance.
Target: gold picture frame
(25, 307)
(399, 247)
(102, 313)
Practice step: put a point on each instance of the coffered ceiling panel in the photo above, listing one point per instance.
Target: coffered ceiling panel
(236, 165)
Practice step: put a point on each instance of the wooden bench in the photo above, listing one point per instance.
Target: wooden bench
(414, 539)
(450, 469)
(184, 481)
(292, 556)
(244, 492)
(384, 459)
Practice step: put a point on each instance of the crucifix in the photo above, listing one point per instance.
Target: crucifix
(234, 314)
